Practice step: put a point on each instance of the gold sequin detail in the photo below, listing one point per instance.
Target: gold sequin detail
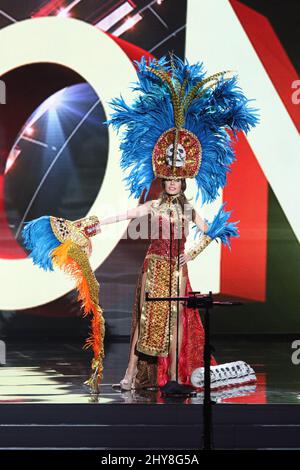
(81, 258)
(73, 259)
(156, 324)
(192, 147)
(78, 231)
(196, 249)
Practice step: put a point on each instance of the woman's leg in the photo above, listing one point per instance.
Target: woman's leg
(172, 368)
(133, 358)
(131, 368)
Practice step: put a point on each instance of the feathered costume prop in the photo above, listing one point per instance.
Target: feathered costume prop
(54, 241)
(177, 127)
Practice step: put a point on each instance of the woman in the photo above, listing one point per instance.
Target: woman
(152, 352)
(180, 123)
(175, 127)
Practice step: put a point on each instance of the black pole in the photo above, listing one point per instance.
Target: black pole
(172, 387)
(207, 403)
(170, 278)
(170, 289)
(177, 306)
(195, 300)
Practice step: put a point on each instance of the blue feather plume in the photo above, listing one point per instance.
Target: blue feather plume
(221, 228)
(209, 116)
(39, 239)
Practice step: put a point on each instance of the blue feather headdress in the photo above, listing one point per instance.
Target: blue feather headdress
(177, 127)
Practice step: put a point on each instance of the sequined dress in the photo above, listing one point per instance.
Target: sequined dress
(160, 277)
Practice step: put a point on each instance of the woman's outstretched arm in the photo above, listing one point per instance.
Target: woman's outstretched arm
(134, 213)
(202, 225)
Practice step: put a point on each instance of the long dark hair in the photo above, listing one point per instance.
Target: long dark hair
(181, 198)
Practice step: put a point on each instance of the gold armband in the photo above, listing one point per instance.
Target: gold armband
(200, 246)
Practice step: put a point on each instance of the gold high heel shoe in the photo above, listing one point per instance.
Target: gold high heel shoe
(127, 383)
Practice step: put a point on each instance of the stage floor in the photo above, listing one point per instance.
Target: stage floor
(51, 372)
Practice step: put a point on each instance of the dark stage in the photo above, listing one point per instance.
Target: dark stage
(44, 401)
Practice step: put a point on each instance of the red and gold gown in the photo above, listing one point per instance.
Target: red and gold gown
(156, 321)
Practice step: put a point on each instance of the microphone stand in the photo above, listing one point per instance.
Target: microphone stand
(173, 387)
(199, 301)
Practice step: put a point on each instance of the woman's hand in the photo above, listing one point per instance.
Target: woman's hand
(89, 248)
(183, 259)
(202, 225)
